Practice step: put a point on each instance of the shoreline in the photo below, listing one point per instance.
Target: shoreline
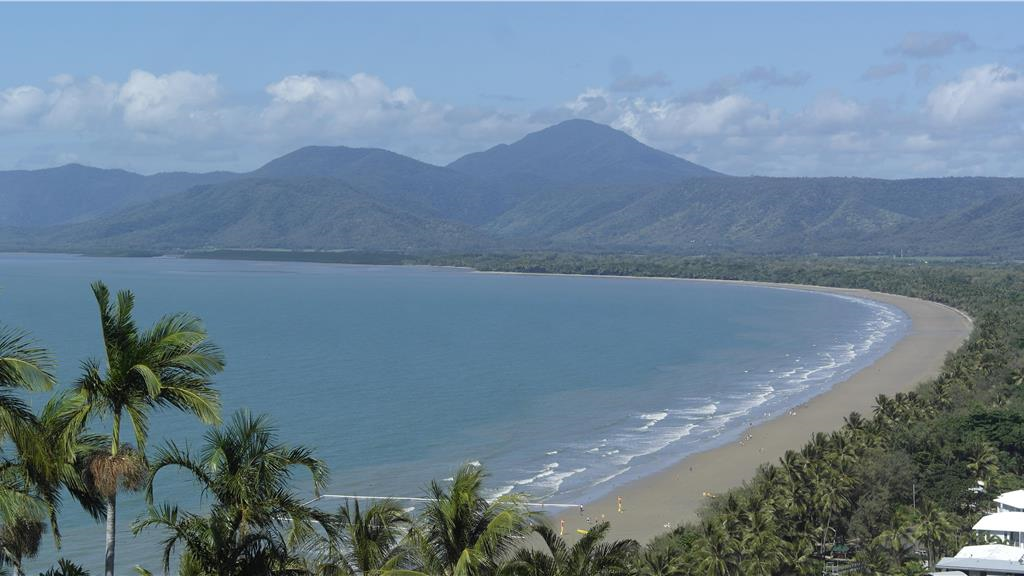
(654, 504)
(660, 501)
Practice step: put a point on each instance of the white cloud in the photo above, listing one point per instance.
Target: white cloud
(74, 105)
(592, 103)
(18, 106)
(980, 93)
(185, 120)
(720, 116)
(175, 103)
(344, 107)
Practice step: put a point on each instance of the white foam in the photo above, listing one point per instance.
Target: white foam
(613, 476)
(705, 410)
(650, 445)
(553, 482)
(719, 417)
(652, 419)
(501, 491)
(548, 470)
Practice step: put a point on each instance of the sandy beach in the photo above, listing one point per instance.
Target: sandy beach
(654, 504)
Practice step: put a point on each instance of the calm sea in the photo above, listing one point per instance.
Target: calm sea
(562, 387)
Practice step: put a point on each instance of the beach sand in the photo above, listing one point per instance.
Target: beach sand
(654, 504)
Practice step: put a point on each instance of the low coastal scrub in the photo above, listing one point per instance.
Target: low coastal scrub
(892, 490)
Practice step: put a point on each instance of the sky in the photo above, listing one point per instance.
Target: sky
(795, 89)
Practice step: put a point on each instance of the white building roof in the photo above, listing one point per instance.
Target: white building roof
(974, 566)
(1014, 499)
(1001, 522)
(992, 552)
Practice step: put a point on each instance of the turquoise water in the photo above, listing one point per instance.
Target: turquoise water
(562, 387)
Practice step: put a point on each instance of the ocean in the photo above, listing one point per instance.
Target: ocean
(560, 387)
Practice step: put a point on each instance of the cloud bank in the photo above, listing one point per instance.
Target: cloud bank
(970, 123)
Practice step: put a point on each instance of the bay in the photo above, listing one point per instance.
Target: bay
(562, 387)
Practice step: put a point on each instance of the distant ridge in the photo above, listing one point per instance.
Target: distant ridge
(575, 186)
(316, 214)
(73, 192)
(391, 178)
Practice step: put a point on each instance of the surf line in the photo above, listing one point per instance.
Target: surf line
(418, 499)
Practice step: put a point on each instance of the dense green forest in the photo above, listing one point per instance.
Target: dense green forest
(894, 486)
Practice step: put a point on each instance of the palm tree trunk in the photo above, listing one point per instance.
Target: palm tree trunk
(115, 443)
(824, 535)
(111, 528)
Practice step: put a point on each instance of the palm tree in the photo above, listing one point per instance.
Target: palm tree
(66, 568)
(762, 547)
(368, 542)
(830, 500)
(23, 507)
(23, 367)
(886, 410)
(217, 544)
(983, 461)
(657, 563)
(798, 557)
(460, 533)
(167, 366)
(898, 537)
(255, 519)
(53, 459)
(932, 528)
(20, 539)
(587, 557)
(49, 461)
(716, 552)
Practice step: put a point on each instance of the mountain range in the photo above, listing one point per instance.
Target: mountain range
(575, 186)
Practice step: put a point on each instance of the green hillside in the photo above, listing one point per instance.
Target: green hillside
(310, 214)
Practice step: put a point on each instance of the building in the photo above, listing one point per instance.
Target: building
(1004, 556)
(1010, 502)
(984, 560)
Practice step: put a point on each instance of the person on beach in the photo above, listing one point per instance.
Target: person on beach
(561, 528)
(619, 504)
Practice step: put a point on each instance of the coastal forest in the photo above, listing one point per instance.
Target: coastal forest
(895, 489)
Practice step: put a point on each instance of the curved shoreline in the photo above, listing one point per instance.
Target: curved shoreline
(654, 504)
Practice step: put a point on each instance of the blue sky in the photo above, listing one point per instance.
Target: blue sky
(889, 90)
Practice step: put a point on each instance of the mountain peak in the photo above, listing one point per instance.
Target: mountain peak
(580, 151)
(313, 160)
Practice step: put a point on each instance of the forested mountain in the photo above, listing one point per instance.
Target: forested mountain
(264, 213)
(580, 152)
(574, 186)
(73, 193)
(963, 216)
(394, 179)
